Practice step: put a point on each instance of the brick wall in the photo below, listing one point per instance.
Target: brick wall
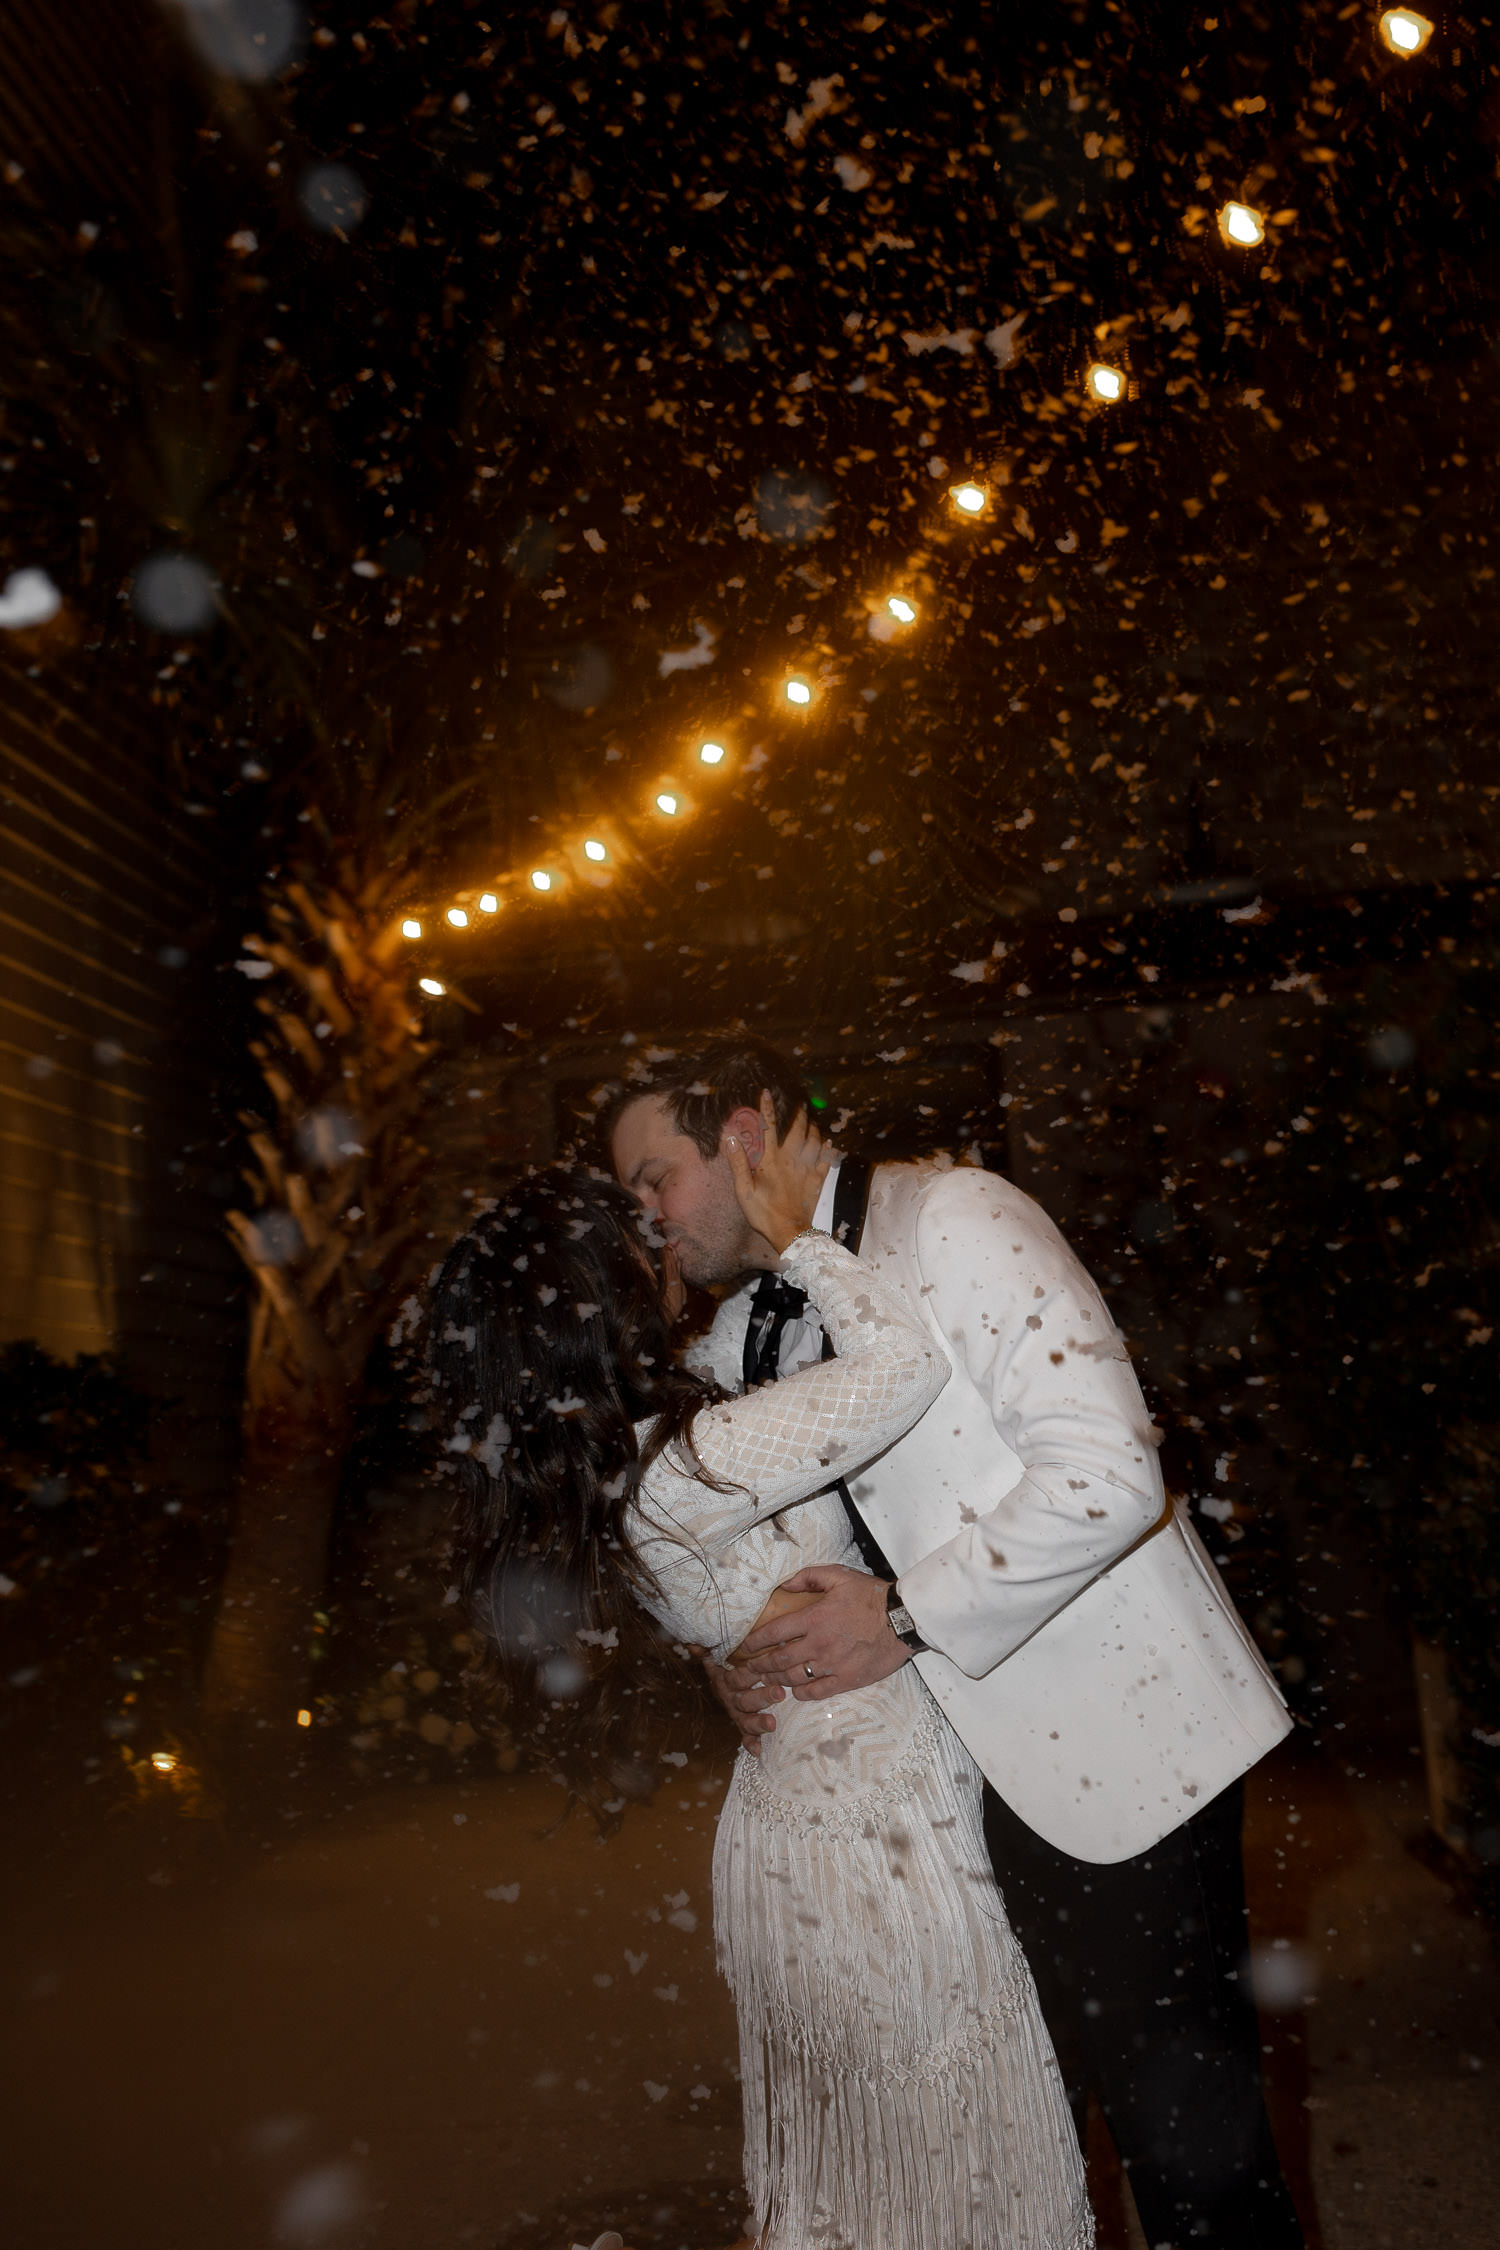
(111, 1183)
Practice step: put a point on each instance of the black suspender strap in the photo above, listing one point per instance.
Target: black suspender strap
(851, 1197)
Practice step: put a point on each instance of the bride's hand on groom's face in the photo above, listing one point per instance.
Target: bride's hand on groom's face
(780, 1193)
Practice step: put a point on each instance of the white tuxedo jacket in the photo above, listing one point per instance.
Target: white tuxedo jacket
(1090, 1658)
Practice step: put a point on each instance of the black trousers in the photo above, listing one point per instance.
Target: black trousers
(1142, 1973)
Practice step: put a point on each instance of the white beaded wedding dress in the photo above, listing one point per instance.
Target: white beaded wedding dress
(900, 2090)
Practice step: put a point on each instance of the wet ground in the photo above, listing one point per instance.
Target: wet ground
(424, 2021)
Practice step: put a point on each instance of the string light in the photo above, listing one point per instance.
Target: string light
(1404, 31)
(1241, 224)
(431, 986)
(163, 1761)
(304, 1718)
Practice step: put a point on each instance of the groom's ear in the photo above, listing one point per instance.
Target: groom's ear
(747, 1129)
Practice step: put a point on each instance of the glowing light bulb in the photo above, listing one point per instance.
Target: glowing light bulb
(666, 803)
(540, 879)
(798, 692)
(901, 609)
(431, 985)
(458, 918)
(411, 927)
(1242, 225)
(304, 1718)
(711, 753)
(163, 1761)
(488, 903)
(972, 498)
(1404, 31)
(593, 849)
(1106, 383)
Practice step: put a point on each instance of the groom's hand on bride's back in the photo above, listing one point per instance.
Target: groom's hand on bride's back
(840, 1641)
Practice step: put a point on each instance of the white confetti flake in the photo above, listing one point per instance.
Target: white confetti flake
(689, 659)
(1002, 342)
(820, 100)
(960, 340)
(319, 2204)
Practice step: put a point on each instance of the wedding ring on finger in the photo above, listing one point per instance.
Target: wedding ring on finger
(807, 1668)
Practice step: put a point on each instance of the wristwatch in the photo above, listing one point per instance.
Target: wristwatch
(902, 1623)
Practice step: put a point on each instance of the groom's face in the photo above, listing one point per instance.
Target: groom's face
(690, 1196)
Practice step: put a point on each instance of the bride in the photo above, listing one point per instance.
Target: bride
(900, 2090)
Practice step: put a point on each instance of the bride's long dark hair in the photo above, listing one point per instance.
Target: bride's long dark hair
(546, 1345)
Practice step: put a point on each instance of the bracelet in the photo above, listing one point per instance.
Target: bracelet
(818, 1234)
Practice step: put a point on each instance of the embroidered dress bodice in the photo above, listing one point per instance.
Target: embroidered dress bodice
(900, 2090)
(717, 1554)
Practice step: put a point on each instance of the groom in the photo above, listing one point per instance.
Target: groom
(1062, 1612)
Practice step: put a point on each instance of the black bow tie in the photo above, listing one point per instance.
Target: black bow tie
(774, 1304)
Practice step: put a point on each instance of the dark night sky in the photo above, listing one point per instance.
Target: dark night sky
(670, 331)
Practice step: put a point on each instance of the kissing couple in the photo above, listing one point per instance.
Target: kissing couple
(980, 1854)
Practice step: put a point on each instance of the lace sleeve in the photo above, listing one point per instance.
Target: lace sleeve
(790, 1439)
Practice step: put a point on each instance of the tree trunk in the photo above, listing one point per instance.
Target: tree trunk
(338, 1177)
(1441, 1717)
(260, 1657)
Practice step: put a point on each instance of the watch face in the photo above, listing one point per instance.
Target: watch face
(902, 1623)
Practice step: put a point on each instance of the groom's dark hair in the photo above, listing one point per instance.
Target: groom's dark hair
(704, 1086)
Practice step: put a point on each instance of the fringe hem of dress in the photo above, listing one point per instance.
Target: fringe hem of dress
(971, 2159)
